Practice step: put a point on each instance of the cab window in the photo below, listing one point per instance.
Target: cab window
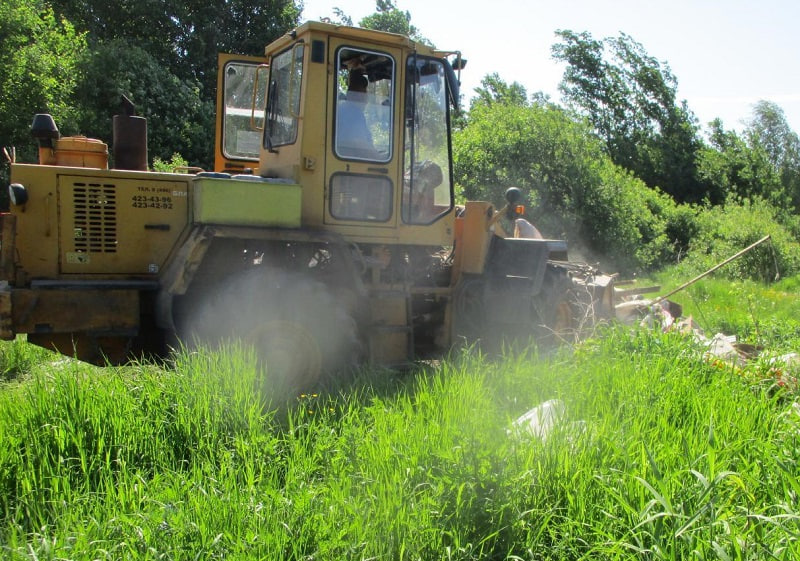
(361, 197)
(241, 123)
(364, 100)
(427, 186)
(283, 98)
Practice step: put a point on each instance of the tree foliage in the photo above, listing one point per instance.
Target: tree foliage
(769, 130)
(163, 55)
(185, 36)
(178, 118)
(37, 69)
(494, 90)
(388, 17)
(575, 190)
(732, 167)
(763, 162)
(630, 100)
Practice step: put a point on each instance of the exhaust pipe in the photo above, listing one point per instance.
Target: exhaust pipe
(129, 140)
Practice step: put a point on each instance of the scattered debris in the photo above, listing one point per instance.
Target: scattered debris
(720, 348)
(540, 420)
(665, 315)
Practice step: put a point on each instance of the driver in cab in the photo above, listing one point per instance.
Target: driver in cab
(353, 137)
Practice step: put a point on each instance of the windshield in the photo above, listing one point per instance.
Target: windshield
(364, 101)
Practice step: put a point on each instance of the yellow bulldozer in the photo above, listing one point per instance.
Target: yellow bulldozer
(328, 232)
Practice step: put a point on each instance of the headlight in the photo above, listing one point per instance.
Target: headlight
(17, 194)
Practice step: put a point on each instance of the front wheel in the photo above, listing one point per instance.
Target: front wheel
(297, 327)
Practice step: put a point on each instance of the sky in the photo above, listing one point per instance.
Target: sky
(725, 54)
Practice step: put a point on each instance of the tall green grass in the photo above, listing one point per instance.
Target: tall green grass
(17, 358)
(660, 455)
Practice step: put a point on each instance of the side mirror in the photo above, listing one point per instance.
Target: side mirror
(514, 208)
(513, 195)
(453, 85)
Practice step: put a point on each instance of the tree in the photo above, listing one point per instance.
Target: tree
(732, 167)
(37, 61)
(494, 90)
(763, 162)
(388, 17)
(231, 26)
(769, 129)
(179, 119)
(342, 18)
(151, 25)
(630, 100)
(37, 73)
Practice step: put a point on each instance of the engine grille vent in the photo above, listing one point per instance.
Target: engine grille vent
(95, 225)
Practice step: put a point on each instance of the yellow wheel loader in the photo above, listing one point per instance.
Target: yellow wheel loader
(327, 234)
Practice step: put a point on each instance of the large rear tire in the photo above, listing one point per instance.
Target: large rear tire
(298, 329)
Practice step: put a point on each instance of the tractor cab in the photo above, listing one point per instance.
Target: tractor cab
(359, 119)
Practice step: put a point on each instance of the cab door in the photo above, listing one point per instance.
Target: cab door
(362, 169)
(241, 98)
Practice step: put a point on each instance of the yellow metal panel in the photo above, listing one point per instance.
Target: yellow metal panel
(389, 333)
(123, 223)
(389, 311)
(64, 310)
(8, 232)
(352, 33)
(36, 238)
(475, 236)
(246, 203)
(389, 308)
(87, 222)
(388, 347)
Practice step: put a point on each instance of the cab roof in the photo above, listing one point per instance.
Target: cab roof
(357, 33)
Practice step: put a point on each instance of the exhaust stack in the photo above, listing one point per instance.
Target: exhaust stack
(129, 138)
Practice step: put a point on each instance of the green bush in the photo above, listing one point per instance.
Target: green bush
(173, 165)
(682, 224)
(574, 188)
(725, 230)
(628, 220)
